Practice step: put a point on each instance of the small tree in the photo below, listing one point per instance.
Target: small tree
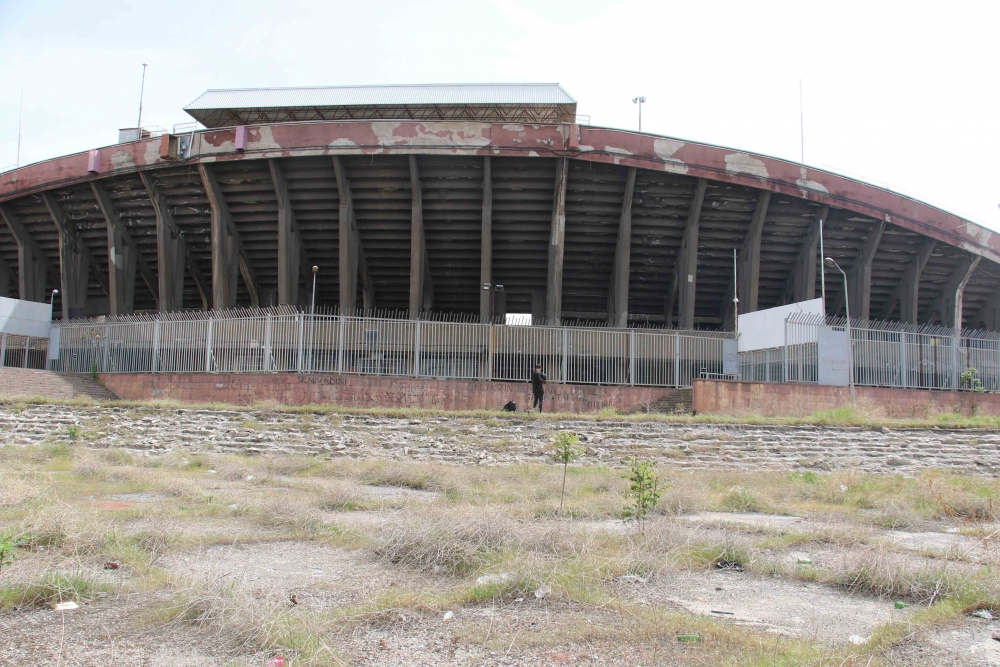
(566, 450)
(643, 493)
(970, 379)
(7, 545)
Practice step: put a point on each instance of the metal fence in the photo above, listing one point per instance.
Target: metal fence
(282, 340)
(23, 351)
(885, 354)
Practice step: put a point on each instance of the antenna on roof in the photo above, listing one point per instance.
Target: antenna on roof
(142, 90)
(20, 115)
(802, 130)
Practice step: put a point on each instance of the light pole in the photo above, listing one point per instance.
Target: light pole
(639, 100)
(312, 319)
(312, 309)
(53, 296)
(850, 341)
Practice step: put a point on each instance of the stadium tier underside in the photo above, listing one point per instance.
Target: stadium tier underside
(417, 216)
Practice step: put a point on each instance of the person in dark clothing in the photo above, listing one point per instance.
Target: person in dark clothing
(538, 386)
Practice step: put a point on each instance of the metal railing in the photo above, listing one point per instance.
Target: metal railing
(885, 354)
(23, 351)
(284, 340)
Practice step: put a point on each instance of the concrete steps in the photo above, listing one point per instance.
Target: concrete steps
(678, 401)
(27, 382)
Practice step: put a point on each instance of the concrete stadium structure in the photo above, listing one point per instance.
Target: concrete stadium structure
(410, 198)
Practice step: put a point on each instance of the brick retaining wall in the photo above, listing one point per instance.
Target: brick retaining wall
(372, 391)
(767, 399)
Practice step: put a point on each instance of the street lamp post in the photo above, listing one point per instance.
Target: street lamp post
(850, 341)
(639, 100)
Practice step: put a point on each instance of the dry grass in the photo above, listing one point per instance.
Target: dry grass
(457, 524)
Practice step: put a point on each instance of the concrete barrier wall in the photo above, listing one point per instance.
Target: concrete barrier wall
(730, 397)
(372, 391)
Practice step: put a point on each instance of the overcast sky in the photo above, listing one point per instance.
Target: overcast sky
(899, 94)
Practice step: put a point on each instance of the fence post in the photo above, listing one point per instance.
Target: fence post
(340, 345)
(565, 354)
(677, 360)
(954, 362)
(490, 351)
(416, 348)
(631, 357)
(156, 346)
(301, 318)
(268, 324)
(27, 349)
(208, 346)
(107, 351)
(3, 349)
(784, 353)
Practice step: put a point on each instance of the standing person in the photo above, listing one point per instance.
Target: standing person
(538, 386)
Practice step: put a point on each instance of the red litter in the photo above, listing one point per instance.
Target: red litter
(276, 661)
(112, 565)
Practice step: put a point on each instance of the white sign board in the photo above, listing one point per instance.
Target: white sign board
(834, 356)
(765, 329)
(25, 318)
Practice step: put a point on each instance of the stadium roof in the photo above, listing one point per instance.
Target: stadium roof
(522, 102)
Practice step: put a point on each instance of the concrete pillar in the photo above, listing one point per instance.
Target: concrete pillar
(421, 287)
(5, 280)
(348, 242)
(292, 258)
(859, 278)
(225, 252)
(171, 253)
(749, 259)
(685, 282)
(74, 262)
(557, 247)
(124, 258)
(486, 244)
(32, 265)
(618, 290)
(121, 273)
(803, 275)
(909, 290)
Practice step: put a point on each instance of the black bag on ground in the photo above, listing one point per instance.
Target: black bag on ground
(510, 407)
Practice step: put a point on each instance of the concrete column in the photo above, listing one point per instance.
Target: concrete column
(74, 262)
(859, 278)
(225, 253)
(121, 273)
(803, 276)
(421, 287)
(618, 290)
(124, 258)
(32, 265)
(348, 242)
(557, 247)
(486, 244)
(749, 260)
(947, 307)
(293, 261)
(909, 288)
(5, 281)
(685, 282)
(172, 252)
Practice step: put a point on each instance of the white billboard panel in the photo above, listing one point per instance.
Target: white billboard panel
(25, 318)
(765, 329)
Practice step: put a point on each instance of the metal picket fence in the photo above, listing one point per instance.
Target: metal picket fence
(23, 351)
(284, 340)
(885, 354)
